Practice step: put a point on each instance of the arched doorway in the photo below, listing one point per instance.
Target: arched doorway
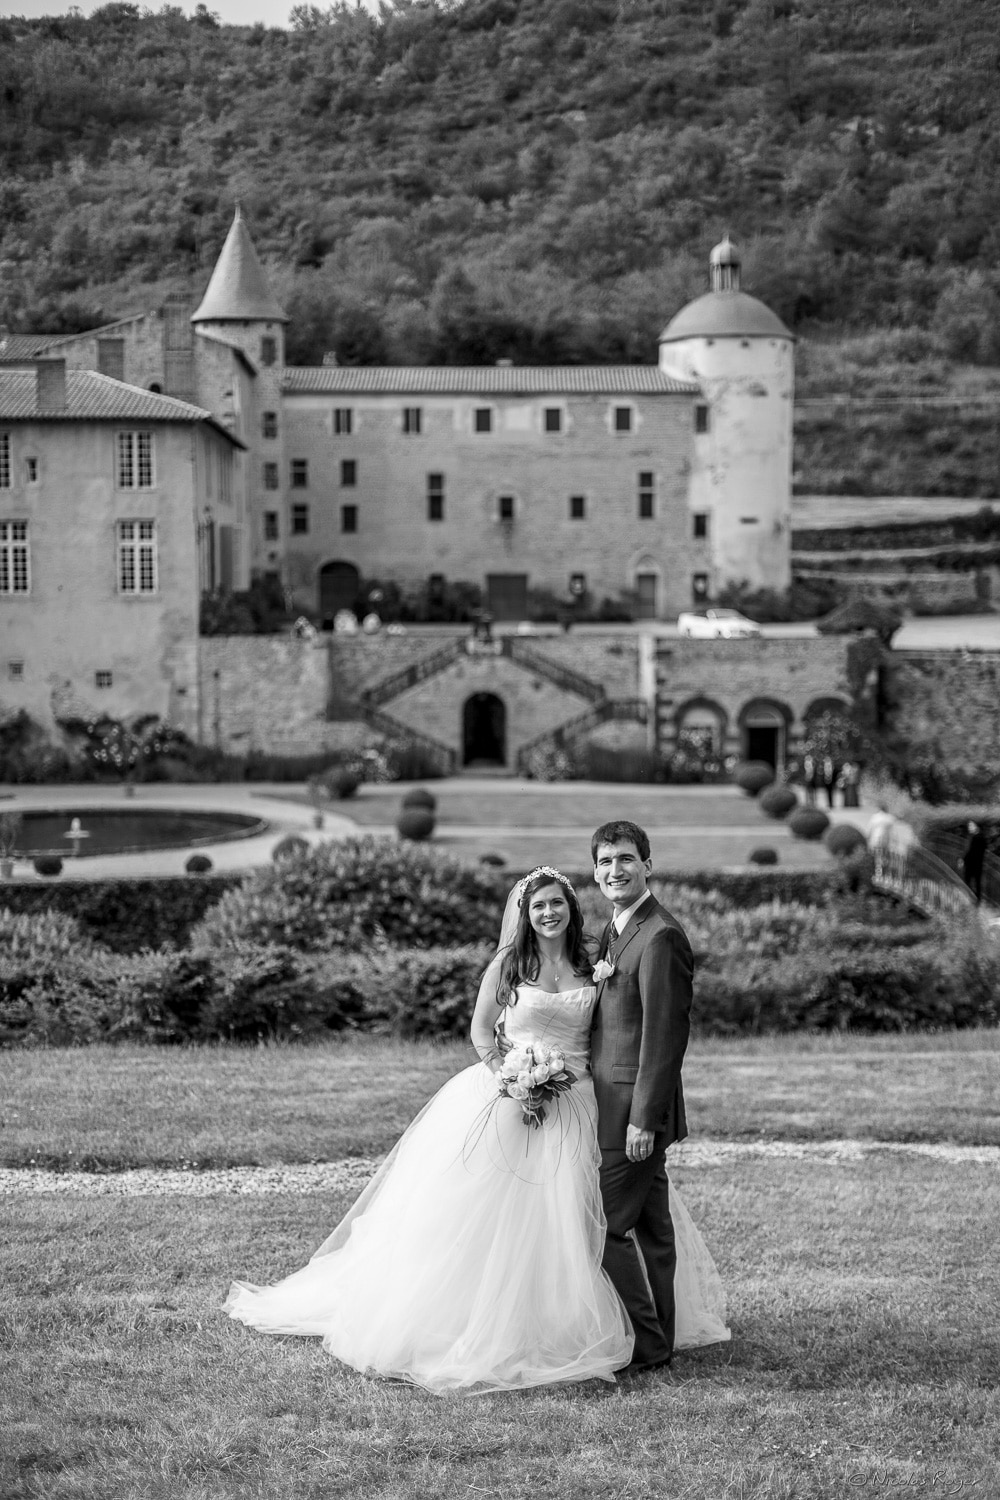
(484, 730)
(764, 731)
(339, 583)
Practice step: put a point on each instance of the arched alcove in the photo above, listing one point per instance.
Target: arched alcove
(484, 730)
(701, 724)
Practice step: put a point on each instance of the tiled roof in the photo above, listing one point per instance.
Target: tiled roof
(96, 398)
(50, 341)
(238, 290)
(24, 345)
(485, 380)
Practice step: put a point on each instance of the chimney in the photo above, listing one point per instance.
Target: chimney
(51, 385)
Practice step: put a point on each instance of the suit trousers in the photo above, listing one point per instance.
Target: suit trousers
(640, 1255)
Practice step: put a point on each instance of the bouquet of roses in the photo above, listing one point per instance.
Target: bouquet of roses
(533, 1074)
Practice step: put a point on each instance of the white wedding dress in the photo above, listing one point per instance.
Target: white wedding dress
(472, 1260)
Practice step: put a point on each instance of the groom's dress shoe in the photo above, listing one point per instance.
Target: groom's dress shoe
(643, 1368)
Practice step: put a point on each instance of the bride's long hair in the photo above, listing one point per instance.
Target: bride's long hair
(522, 960)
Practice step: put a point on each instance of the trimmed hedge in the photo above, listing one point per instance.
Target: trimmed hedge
(874, 990)
(419, 796)
(414, 992)
(127, 915)
(845, 960)
(130, 915)
(248, 993)
(356, 893)
(777, 801)
(835, 980)
(289, 847)
(808, 823)
(415, 823)
(752, 776)
(763, 856)
(843, 838)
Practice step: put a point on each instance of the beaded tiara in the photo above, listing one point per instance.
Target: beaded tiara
(549, 870)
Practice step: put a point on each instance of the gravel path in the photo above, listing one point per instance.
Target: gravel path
(351, 1174)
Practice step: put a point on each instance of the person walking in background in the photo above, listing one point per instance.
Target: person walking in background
(972, 859)
(849, 783)
(829, 777)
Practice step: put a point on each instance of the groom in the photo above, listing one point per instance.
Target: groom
(637, 1047)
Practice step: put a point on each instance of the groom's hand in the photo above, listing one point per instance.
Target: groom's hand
(638, 1143)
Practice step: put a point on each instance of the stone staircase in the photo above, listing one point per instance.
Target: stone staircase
(535, 661)
(407, 677)
(633, 710)
(602, 708)
(442, 756)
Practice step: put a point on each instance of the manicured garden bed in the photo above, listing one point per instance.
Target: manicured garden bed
(393, 938)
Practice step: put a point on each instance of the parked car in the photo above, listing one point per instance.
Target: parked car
(710, 624)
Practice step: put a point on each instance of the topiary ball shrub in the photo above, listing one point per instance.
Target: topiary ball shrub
(290, 847)
(198, 864)
(777, 801)
(415, 823)
(419, 796)
(763, 856)
(753, 776)
(48, 864)
(496, 860)
(843, 839)
(809, 823)
(353, 892)
(343, 784)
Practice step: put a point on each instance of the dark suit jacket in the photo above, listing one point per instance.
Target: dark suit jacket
(640, 1029)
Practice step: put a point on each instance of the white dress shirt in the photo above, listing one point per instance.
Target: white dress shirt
(622, 917)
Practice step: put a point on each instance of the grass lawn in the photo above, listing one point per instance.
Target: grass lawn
(863, 1295)
(690, 828)
(114, 1107)
(865, 1356)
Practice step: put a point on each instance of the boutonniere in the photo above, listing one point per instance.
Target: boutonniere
(603, 970)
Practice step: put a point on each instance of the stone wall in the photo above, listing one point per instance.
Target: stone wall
(279, 694)
(611, 660)
(947, 704)
(285, 695)
(269, 693)
(731, 679)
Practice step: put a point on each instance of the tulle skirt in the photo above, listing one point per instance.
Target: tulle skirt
(472, 1260)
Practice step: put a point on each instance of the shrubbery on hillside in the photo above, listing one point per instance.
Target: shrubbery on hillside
(515, 178)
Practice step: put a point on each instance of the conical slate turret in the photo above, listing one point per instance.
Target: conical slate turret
(238, 291)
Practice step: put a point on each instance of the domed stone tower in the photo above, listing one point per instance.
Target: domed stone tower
(741, 354)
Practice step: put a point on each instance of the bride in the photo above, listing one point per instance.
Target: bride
(472, 1260)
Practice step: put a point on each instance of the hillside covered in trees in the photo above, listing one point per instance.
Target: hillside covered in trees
(538, 180)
